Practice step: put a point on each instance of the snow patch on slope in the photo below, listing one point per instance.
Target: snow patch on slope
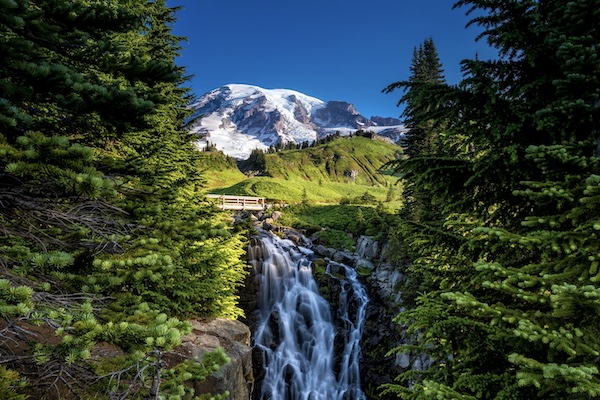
(238, 118)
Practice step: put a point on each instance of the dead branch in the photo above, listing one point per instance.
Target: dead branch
(35, 209)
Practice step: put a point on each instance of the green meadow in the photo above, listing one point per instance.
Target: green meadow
(334, 172)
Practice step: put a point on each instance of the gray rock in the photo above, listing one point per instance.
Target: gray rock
(387, 282)
(324, 251)
(344, 257)
(403, 360)
(234, 337)
(335, 268)
(295, 237)
(367, 248)
(362, 263)
(267, 224)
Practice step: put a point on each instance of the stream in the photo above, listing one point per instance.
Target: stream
(297, 332)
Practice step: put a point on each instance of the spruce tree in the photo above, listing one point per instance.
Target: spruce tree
(424, 140)
(426, 71)
(105, 235)
(511, 311)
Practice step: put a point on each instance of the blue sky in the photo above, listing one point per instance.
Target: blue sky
(330, 49)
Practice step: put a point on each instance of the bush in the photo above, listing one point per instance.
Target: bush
(335, 238)
(11, 384)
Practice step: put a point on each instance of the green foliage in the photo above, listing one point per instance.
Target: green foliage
(304, 171)
(304, 197)
(365, 198)
(340, 217)
(256, 161)
(145, 375)
(189, 371)
(280, 191)
(335, 161)
(505, 240)
(14, 300)
(12, 385)
(335, 238)
(332, 224)
(219, 170)
(426, 76)
(106, 235)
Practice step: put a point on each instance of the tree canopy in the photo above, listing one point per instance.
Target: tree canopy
(509, 264)
(426, 73)
(105, 236)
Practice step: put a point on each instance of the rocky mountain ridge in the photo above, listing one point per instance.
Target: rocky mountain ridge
(238, 118)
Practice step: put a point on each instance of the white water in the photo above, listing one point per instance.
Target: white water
(296, 332)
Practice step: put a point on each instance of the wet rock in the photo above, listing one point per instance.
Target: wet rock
(295, 237)
(362, 263)
(268, 224)
(387, 281)
(335, 268)
(344, 257)
(324, 251)
(367, 248)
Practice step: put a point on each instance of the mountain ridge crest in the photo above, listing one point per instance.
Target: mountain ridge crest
(238, 118)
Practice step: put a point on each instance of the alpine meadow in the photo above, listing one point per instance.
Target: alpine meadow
(474, 237)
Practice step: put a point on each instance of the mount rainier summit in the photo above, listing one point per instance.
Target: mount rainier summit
(239, 118)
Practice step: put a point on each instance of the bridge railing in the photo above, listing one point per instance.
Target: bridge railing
(228, 202)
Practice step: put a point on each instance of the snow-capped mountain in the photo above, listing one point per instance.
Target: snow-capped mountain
(239, 118)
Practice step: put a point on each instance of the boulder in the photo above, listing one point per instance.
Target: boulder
(234, 337)
(267, 224)
(335, 268)
(367, 248)
(295, 237)
(387, 281)
(276, 215)
(362, 263)
(323, 251)
(344, 257)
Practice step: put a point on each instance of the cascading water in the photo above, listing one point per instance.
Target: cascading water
(352, 307)
(296, 331)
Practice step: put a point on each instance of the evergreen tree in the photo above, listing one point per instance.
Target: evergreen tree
(256, 160)
(424, 129)
(424, 142)
(426, 71)
(105, 236)
(511, 310)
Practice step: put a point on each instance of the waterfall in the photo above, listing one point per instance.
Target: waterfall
(296, 330)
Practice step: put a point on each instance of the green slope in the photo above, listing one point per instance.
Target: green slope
(335, 161)
(219, 170)
(328, 173)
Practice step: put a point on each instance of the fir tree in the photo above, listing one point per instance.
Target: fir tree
(105, 236)
(511, 310)
(424, 140)
(257, 161)
(426, 71)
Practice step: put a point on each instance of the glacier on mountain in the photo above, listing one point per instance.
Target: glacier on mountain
(238, 118)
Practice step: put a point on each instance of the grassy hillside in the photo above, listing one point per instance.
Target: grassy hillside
(219, 170)
(328, 173)
(346, 160)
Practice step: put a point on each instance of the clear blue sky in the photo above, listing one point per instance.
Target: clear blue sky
(330, 49)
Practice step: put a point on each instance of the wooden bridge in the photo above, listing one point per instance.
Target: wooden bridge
(227, 202)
